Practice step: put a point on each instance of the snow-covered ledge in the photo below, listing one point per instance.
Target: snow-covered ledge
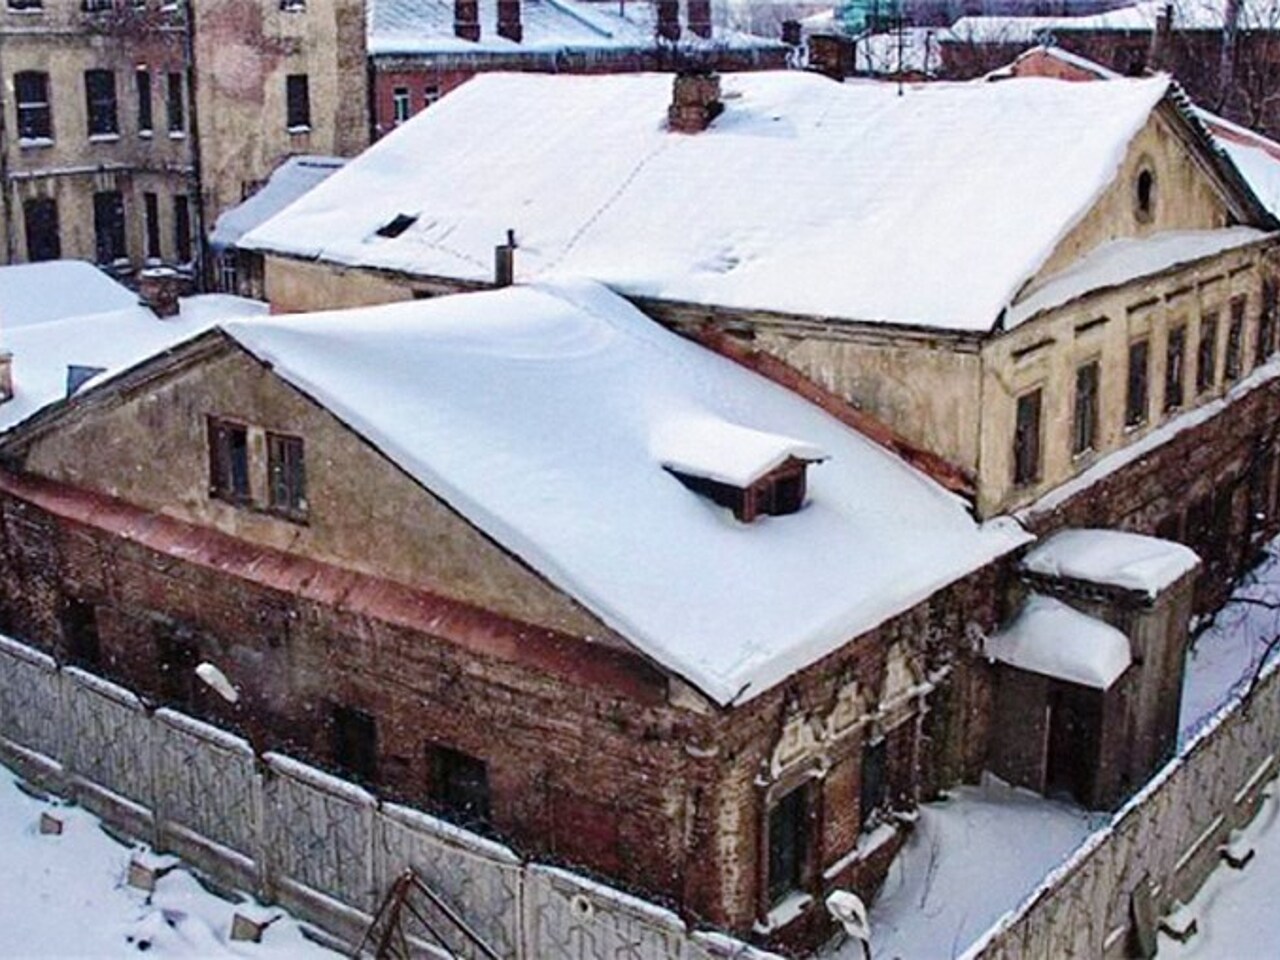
(787, 910)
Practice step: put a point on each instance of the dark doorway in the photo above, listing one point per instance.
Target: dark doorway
(1075, 721)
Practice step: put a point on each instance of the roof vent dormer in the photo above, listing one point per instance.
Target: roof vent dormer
(751, 472)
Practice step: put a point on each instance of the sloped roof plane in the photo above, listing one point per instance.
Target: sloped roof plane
(539, 415)
(805, 196)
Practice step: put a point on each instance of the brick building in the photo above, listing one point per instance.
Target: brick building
(96, 153)
(694, 651)
(419, 50)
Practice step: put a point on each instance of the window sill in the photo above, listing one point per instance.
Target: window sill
(785, 912)
(35, 143)
(145, 134)
(104, 137)
(298, 131)
(177, 135)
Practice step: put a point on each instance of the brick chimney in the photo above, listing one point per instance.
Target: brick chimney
(699, 14)
(6, 376)
(668, 20)
(509, 20)
(160, 288)
(831, 54)
(1160, 37)
(695, 101)
(791, 33)
(466, 19)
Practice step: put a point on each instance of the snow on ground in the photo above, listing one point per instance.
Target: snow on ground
(1235, 910)
(976, 855)
(971, 858)
(65, 896)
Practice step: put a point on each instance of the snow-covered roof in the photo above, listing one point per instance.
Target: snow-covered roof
(1121, 261)
(1137, 17)
(1050, 638)
(716, 449)
(1112, 558)
(32, 293)
(426, 27)
(112, 341)
(806, 196)
(287, 183)
(1255, 156)
(538, 414)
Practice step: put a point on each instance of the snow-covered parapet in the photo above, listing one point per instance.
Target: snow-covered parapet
(1050, 638)
(1112, 558)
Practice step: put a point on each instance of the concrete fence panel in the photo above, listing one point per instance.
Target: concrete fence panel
(479, 880)
(30, 710)
(108, 751)
(570, 918)
(207, 796)
(318, 845)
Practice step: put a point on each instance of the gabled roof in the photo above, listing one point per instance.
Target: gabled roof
(287, 183)
(541, 415)
(844, 201)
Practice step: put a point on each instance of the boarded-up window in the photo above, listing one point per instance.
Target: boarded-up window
(873, 788)
(177, 656)
(355, 743)
(228, 461)
(788, 843)
(1026, 439)
(151, 218)
(1235, 340)
(40, 220)
(1207, 354)
(459, 786)
(182, 228)
(1084, 433)
(286, 474)
(1136, 393)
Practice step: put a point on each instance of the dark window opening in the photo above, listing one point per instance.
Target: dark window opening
(178, 655)
(458, 787)
(873, 789)
(78, 375)
(1135, 405)
(151, 219)
(1146, 195)
(397, 226)
(1085, 423)
(182, 228)
(430, 94)
(788, 844)
(286, 474)
(1170, 528)
(297, 102)
(1026, 439)
(108, 227)
(80, 632)
(175, 110)
(1235, 340)
(228, 461)
(26, 4)
(1207, 354)
(100, 98)
(40, 219)
(355, 743)
(31, 95)
(1175, 360)
(1267, 321)
(142, 79)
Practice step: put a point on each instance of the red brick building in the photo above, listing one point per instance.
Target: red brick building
(419, 50)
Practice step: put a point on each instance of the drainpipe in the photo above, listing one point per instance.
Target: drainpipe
(193, 123)
(6, 189)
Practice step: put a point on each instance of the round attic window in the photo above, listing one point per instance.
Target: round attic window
(1145, 196)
